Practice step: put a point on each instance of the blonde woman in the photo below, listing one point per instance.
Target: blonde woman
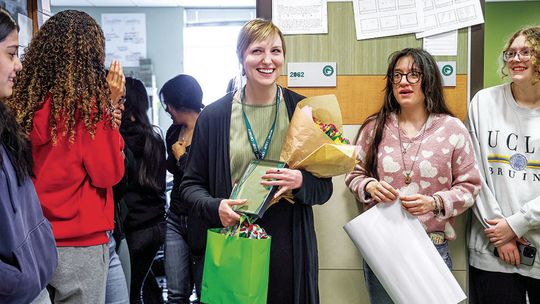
(221, 149)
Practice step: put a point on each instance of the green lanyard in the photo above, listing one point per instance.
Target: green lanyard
(260, 153)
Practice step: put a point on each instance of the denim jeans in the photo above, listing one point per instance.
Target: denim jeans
(181, 269)
(117, 291)
(377, 293)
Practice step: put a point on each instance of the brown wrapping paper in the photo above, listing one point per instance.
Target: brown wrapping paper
(308, 147)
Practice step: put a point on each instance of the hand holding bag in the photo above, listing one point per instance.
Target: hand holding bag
(235, 268)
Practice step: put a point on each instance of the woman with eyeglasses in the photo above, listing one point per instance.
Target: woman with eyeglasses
(416, 152)
(504, 121)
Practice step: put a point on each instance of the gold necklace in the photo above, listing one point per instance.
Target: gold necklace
(408, 173)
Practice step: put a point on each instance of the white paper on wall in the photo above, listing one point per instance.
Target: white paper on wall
(398, 250)
(382, 18)
(441, 16)
(125, 38)
(444, 44)
(300, 16)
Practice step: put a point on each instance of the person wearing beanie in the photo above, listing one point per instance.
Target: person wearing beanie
(181, 97)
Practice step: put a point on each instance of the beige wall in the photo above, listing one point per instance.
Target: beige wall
(341, 278)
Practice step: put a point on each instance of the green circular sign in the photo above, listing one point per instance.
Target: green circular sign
(328, 70)
(447, 70)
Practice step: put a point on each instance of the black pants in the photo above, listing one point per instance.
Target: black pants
(143, 245)
(504, 288)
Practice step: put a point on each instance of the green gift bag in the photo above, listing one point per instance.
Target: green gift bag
(235, 269)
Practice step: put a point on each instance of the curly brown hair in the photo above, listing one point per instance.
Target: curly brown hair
(532, 35)
(65, 60)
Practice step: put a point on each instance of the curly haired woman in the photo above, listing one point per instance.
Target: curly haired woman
(502, 122)
(62, 99)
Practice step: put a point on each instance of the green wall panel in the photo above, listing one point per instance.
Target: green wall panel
(501, 23)
(353, 57)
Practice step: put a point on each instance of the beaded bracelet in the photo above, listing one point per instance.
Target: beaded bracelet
(439, 209)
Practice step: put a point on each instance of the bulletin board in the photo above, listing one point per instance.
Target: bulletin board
(361, 65)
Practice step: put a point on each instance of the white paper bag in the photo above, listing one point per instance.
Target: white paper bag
(400, 253)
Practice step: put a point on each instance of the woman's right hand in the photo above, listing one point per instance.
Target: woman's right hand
(509, 253)
(381, 191)
(227, 215)
(116, 81)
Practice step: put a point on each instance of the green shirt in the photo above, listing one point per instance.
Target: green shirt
(261, 119)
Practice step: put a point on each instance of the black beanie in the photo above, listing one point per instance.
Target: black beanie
(182, 91)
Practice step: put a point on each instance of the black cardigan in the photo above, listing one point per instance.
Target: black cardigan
(207, 181)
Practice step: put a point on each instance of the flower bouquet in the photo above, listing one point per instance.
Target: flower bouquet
(246, 229)
(315, 139)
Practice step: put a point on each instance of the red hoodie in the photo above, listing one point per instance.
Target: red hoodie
(74, 180)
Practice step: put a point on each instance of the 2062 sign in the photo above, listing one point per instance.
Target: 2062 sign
(296, 74)
(311, 74)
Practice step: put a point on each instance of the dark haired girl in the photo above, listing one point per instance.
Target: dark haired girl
(415, 150)
(145, 195)
(28, 255)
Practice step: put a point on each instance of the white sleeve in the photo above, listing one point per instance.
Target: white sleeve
(486, 206)
(528, 218)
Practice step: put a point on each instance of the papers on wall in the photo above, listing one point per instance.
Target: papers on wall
(398, 250)
(25, 32)
(300, 16)
(445, 15)
(125, 38)
(444, 44)
(380, 18)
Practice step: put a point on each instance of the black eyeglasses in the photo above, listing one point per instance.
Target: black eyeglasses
(524, 55)
(412, 77)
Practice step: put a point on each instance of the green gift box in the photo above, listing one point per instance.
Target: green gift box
(235, 269)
